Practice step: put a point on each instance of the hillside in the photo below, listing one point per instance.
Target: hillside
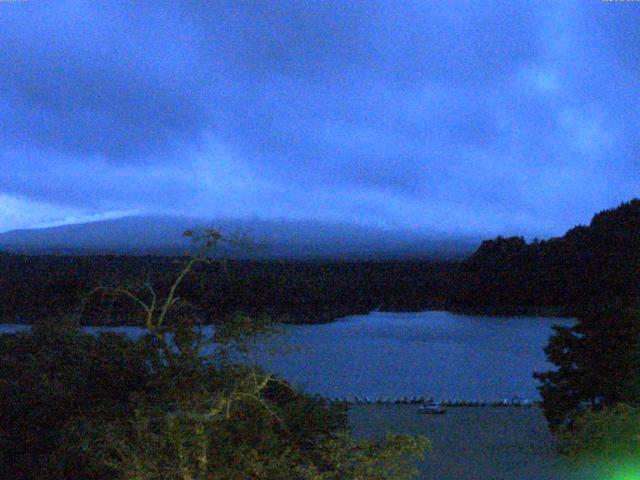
(589, 264)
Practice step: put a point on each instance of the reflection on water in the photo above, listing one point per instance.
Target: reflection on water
(437, 354)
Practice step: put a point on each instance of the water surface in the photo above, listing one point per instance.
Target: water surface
(472, 443)
(439, 354)
(432, 353)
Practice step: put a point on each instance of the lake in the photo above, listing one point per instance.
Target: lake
(438, 354)
(433, 353)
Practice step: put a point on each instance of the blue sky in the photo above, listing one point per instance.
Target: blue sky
(465, 117)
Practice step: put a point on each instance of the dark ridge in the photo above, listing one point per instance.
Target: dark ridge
(595, 264)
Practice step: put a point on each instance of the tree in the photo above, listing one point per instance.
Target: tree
(189, 412)
(598, 364)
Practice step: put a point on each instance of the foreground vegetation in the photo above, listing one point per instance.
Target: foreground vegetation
(78, 406)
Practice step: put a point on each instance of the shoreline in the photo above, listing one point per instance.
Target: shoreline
(329, 317)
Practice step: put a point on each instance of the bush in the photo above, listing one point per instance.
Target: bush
(604, 443)
(608, 432)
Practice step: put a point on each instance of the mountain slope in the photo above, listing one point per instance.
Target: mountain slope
(281, 238)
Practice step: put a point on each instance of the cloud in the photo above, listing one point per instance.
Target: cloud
(472, 117)
(19, 213)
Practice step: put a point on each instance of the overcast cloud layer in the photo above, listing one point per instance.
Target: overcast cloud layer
(463, 117)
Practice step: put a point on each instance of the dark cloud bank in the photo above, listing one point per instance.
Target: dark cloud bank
(430, 118)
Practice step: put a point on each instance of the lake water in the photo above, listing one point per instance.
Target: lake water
(438, 354)
(473, 443)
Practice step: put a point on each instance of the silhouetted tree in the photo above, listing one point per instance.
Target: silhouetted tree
(597, 364)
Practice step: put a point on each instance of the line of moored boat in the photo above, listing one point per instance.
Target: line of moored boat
(505, 402)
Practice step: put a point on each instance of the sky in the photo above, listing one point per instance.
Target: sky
(463, 117)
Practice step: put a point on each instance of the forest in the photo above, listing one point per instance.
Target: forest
(563, 276)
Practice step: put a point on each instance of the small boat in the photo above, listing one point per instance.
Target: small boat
(432, 409)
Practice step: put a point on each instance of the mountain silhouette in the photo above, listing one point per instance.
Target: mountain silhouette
(162, 235)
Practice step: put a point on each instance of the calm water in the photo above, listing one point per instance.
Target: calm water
(473, 443)
(437, 354)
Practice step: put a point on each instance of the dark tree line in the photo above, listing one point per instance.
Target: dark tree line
(568, 275)
(588, 266)
(36, 287)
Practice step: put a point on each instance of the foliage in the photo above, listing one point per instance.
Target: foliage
(603, 443)
(365, 460)
(173, 404)
(608, 432)
(598, 364)
(52, 375)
